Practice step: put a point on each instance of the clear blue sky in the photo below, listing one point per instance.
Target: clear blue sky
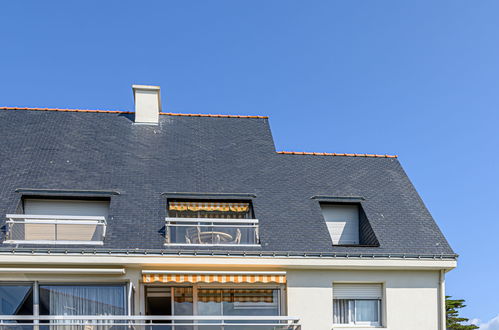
(416, 78)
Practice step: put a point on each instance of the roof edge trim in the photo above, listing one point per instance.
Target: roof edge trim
(66, 192)
(66, 110)
(225, 253)
(211, 115)
(132, 112)
(338, 198)
(208, 195)
(334, 154)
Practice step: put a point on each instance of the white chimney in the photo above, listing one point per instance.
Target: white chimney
(147, 104)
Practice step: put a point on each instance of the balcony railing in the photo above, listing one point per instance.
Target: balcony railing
(55, 229)
(207, 231)
(30, 322)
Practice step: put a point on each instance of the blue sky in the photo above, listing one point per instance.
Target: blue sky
(419, 79)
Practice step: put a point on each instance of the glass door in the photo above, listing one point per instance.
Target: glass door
(169, 301)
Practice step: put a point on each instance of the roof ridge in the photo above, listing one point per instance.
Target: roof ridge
(130, 112)
(334, 154)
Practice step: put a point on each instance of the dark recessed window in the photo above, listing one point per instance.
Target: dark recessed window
(16, 299)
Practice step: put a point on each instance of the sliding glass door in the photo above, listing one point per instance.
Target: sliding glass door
(238, 302)
(168, 301)
(82, 300)
(212, 301)
(16, 299)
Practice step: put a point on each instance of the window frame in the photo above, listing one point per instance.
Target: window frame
(123, 285)
(352, 313)
(281, 298)
(172, 220)
(36, 285)
(58, 219)
(357, 205)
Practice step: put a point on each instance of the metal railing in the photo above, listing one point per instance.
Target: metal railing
(118, 322)
(207, 231)
(55, 229)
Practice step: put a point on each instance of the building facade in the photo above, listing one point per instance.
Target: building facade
(150, 219)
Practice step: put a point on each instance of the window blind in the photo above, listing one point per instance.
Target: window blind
(342, 222)
(357, 291)
(66, 207)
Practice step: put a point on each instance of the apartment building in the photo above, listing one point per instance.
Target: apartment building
(156, 220)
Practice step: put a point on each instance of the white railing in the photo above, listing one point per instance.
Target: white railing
(55, 229)
(30, 322)
(207, 231)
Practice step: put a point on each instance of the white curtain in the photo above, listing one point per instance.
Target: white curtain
(366, 311)
(84, 300)
(341, 311)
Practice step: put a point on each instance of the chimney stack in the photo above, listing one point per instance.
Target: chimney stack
(147, 104)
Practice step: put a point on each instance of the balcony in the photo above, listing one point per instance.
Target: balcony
(30, 322)
(55, 229)
(211, 232)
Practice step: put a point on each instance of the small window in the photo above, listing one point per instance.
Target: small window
(357, 304)
(342, 221)
(211, 223)
(59, 221)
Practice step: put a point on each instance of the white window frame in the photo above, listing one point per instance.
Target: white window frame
(351, 313)
(216, 286)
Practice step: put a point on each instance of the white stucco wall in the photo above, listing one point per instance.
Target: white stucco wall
(411, 296)
(410, 302)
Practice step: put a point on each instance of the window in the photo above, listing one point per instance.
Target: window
(211, 223)
(212, 301)
(237, 302)
(16, 299)
(59, 221)
(358, 304)
(82, 300)
(63, 299)
(342, 221)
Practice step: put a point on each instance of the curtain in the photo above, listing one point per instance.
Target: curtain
(341, 311)
(350, 311)
(236, 295)
(366, 311)
(83, 300)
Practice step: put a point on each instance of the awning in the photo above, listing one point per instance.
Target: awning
(228, 277)
(208, 206)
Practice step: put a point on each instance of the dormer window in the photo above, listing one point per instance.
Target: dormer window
(211, 223)
(58, 221)
(342, 221)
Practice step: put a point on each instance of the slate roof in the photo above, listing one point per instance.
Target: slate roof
(216, 154)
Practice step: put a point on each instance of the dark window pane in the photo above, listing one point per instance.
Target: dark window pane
(16, 300)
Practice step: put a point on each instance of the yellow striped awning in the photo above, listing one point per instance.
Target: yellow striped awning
(214, 278)
(208, 206)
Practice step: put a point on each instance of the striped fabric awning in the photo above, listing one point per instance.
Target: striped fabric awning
(214, 278)
(208, 206)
